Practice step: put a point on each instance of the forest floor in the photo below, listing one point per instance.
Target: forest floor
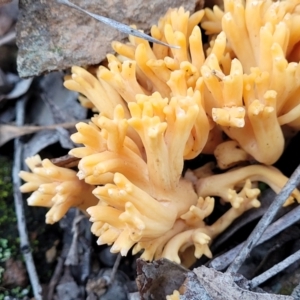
(69, 263)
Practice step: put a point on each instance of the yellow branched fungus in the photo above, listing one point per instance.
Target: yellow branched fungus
(55, 187)
(160, 106)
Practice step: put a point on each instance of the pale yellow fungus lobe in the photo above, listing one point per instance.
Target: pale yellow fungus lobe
(229, 182)
(55, 187)
(174, 296)
(229, 154)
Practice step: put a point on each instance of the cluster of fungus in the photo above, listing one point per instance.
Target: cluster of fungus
(235, 97)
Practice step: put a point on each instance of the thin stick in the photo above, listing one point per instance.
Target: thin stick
(55, 277)
(115, 268)
(8, 132)
(9, 37)
(221, 262)
(24, 241)
(119, 26)
(256, 281)
(265, 221)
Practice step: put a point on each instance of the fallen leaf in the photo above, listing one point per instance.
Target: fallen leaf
(68, 288)
(160, 278)
(55, 104)
(66, 161)
(227, 286)
(157, 279)
(20, 89)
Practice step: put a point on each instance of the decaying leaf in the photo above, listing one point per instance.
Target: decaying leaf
(66, 161)
(160, 278)
(224, 286)
(20, 89)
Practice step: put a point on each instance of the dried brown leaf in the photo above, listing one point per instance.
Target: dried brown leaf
(228, 286)
(66, 161)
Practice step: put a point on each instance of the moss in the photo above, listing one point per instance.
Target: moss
(5, 251)
(9, 242)
(6, 191)
(16, 293)
(41, 236)
(287, 290)
(262, 186)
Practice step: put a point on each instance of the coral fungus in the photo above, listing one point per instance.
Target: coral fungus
(160, 106)
(55, 187)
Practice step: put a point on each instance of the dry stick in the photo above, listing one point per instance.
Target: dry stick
(119, 26)
(24, 241)
(8, 132)
(115, 268)
(265, 221)
(221, 262)
(266, 258)
(256, 281)
(58, 270)
(72, 257)
(55, 277)
(9, 37)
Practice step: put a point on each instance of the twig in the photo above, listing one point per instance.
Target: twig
(115, 268)
(85, 242)
(265, 221)
(110, 279)
(61, 260)
(8, 132)
(266, 258)
(275, 270)
(55, 277)
(9, 37)
(72, 257)
(221, 262)
(24, 241)
(119, 26)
